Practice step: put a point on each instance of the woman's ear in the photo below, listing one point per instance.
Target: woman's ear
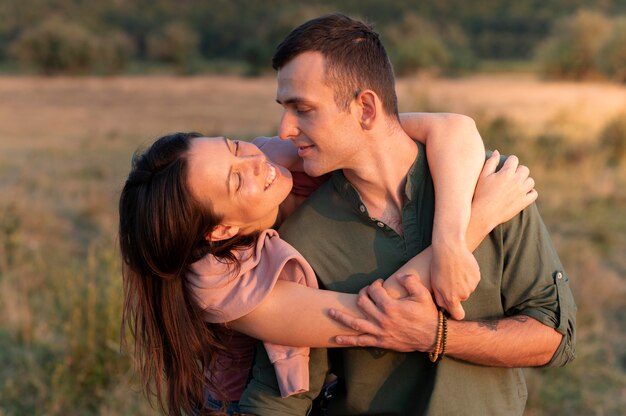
(222, 232)
(367, 101)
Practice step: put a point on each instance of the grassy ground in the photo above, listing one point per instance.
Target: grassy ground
(65, 147)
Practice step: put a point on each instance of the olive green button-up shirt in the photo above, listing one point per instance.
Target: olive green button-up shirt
(520, 274)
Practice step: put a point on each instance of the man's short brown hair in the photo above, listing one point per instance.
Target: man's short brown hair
(355, 58)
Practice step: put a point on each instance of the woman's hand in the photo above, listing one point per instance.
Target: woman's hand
(500, 195)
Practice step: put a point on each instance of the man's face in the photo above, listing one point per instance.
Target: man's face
(326, 137)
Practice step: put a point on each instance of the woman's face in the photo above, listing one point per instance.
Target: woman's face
(238, 181)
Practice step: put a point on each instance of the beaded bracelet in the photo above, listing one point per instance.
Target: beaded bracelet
(435, 354)
(444, 337)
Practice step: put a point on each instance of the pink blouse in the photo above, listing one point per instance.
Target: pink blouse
(226, 297)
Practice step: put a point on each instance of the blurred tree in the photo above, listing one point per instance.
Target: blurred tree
(56, 46)
(176, 43)
(415, 45)
(114, 51)
(613, 139)
(462, 57)
(455, 33)
(571, 49)
(612, 55)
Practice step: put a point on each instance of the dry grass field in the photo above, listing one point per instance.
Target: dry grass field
(65, 148)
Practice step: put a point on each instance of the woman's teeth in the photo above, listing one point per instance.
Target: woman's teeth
(271, 176)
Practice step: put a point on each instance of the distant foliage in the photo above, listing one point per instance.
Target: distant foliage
(571, 50)
(502, 134)
(417, 45)
(447, 36)
(613, 140)
(56, 46)
(612, 55)
(114, 52)
(176, 44)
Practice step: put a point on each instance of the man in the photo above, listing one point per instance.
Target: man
(336, 86)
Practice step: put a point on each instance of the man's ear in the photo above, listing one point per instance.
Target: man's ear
(222, 232)
(367, 102)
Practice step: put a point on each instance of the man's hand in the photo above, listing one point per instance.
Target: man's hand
(407, 324)
(454, 275)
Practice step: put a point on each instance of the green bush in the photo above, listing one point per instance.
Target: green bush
(571, 50)
(176, 44)
(613, 140)
(115, 50)
(612, 55)
(503, 134)
(462, 57)
(415, 45)
(56, 46)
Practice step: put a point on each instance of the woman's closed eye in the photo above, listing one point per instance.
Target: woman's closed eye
(239, 181)
(237, 175)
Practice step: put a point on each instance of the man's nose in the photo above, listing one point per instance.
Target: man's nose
(288, 128)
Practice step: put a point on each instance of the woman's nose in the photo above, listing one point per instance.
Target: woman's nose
(256, 163)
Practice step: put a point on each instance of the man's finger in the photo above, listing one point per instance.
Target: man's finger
(358, 340)
(368, 306)
(352, 322)
(377, 293)
(414, 286)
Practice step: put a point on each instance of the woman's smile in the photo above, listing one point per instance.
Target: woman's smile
(271, 175)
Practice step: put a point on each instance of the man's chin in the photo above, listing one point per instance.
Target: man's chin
(313, 170)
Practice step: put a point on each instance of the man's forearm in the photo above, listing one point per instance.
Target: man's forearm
(518, 341)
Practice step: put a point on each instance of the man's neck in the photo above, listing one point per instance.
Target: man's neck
(380, 175)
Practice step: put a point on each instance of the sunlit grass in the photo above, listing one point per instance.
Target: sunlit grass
(65, 148)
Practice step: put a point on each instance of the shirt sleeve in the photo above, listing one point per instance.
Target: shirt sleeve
(291, 365)
(534, 282)
(262, 395)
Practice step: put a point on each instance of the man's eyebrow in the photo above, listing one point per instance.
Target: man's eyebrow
(230, 169)
(291, 101)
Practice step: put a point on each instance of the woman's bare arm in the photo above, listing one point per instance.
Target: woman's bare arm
(456, 155)
(297, 315)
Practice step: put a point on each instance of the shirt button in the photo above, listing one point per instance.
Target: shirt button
(559, 275)
(380, 224)
(362, 208)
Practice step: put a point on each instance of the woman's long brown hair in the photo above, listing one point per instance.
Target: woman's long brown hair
(161, 233)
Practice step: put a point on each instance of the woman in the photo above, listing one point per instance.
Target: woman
(185, 213)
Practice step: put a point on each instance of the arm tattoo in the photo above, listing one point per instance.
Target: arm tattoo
(493, 325)
(490, 325)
